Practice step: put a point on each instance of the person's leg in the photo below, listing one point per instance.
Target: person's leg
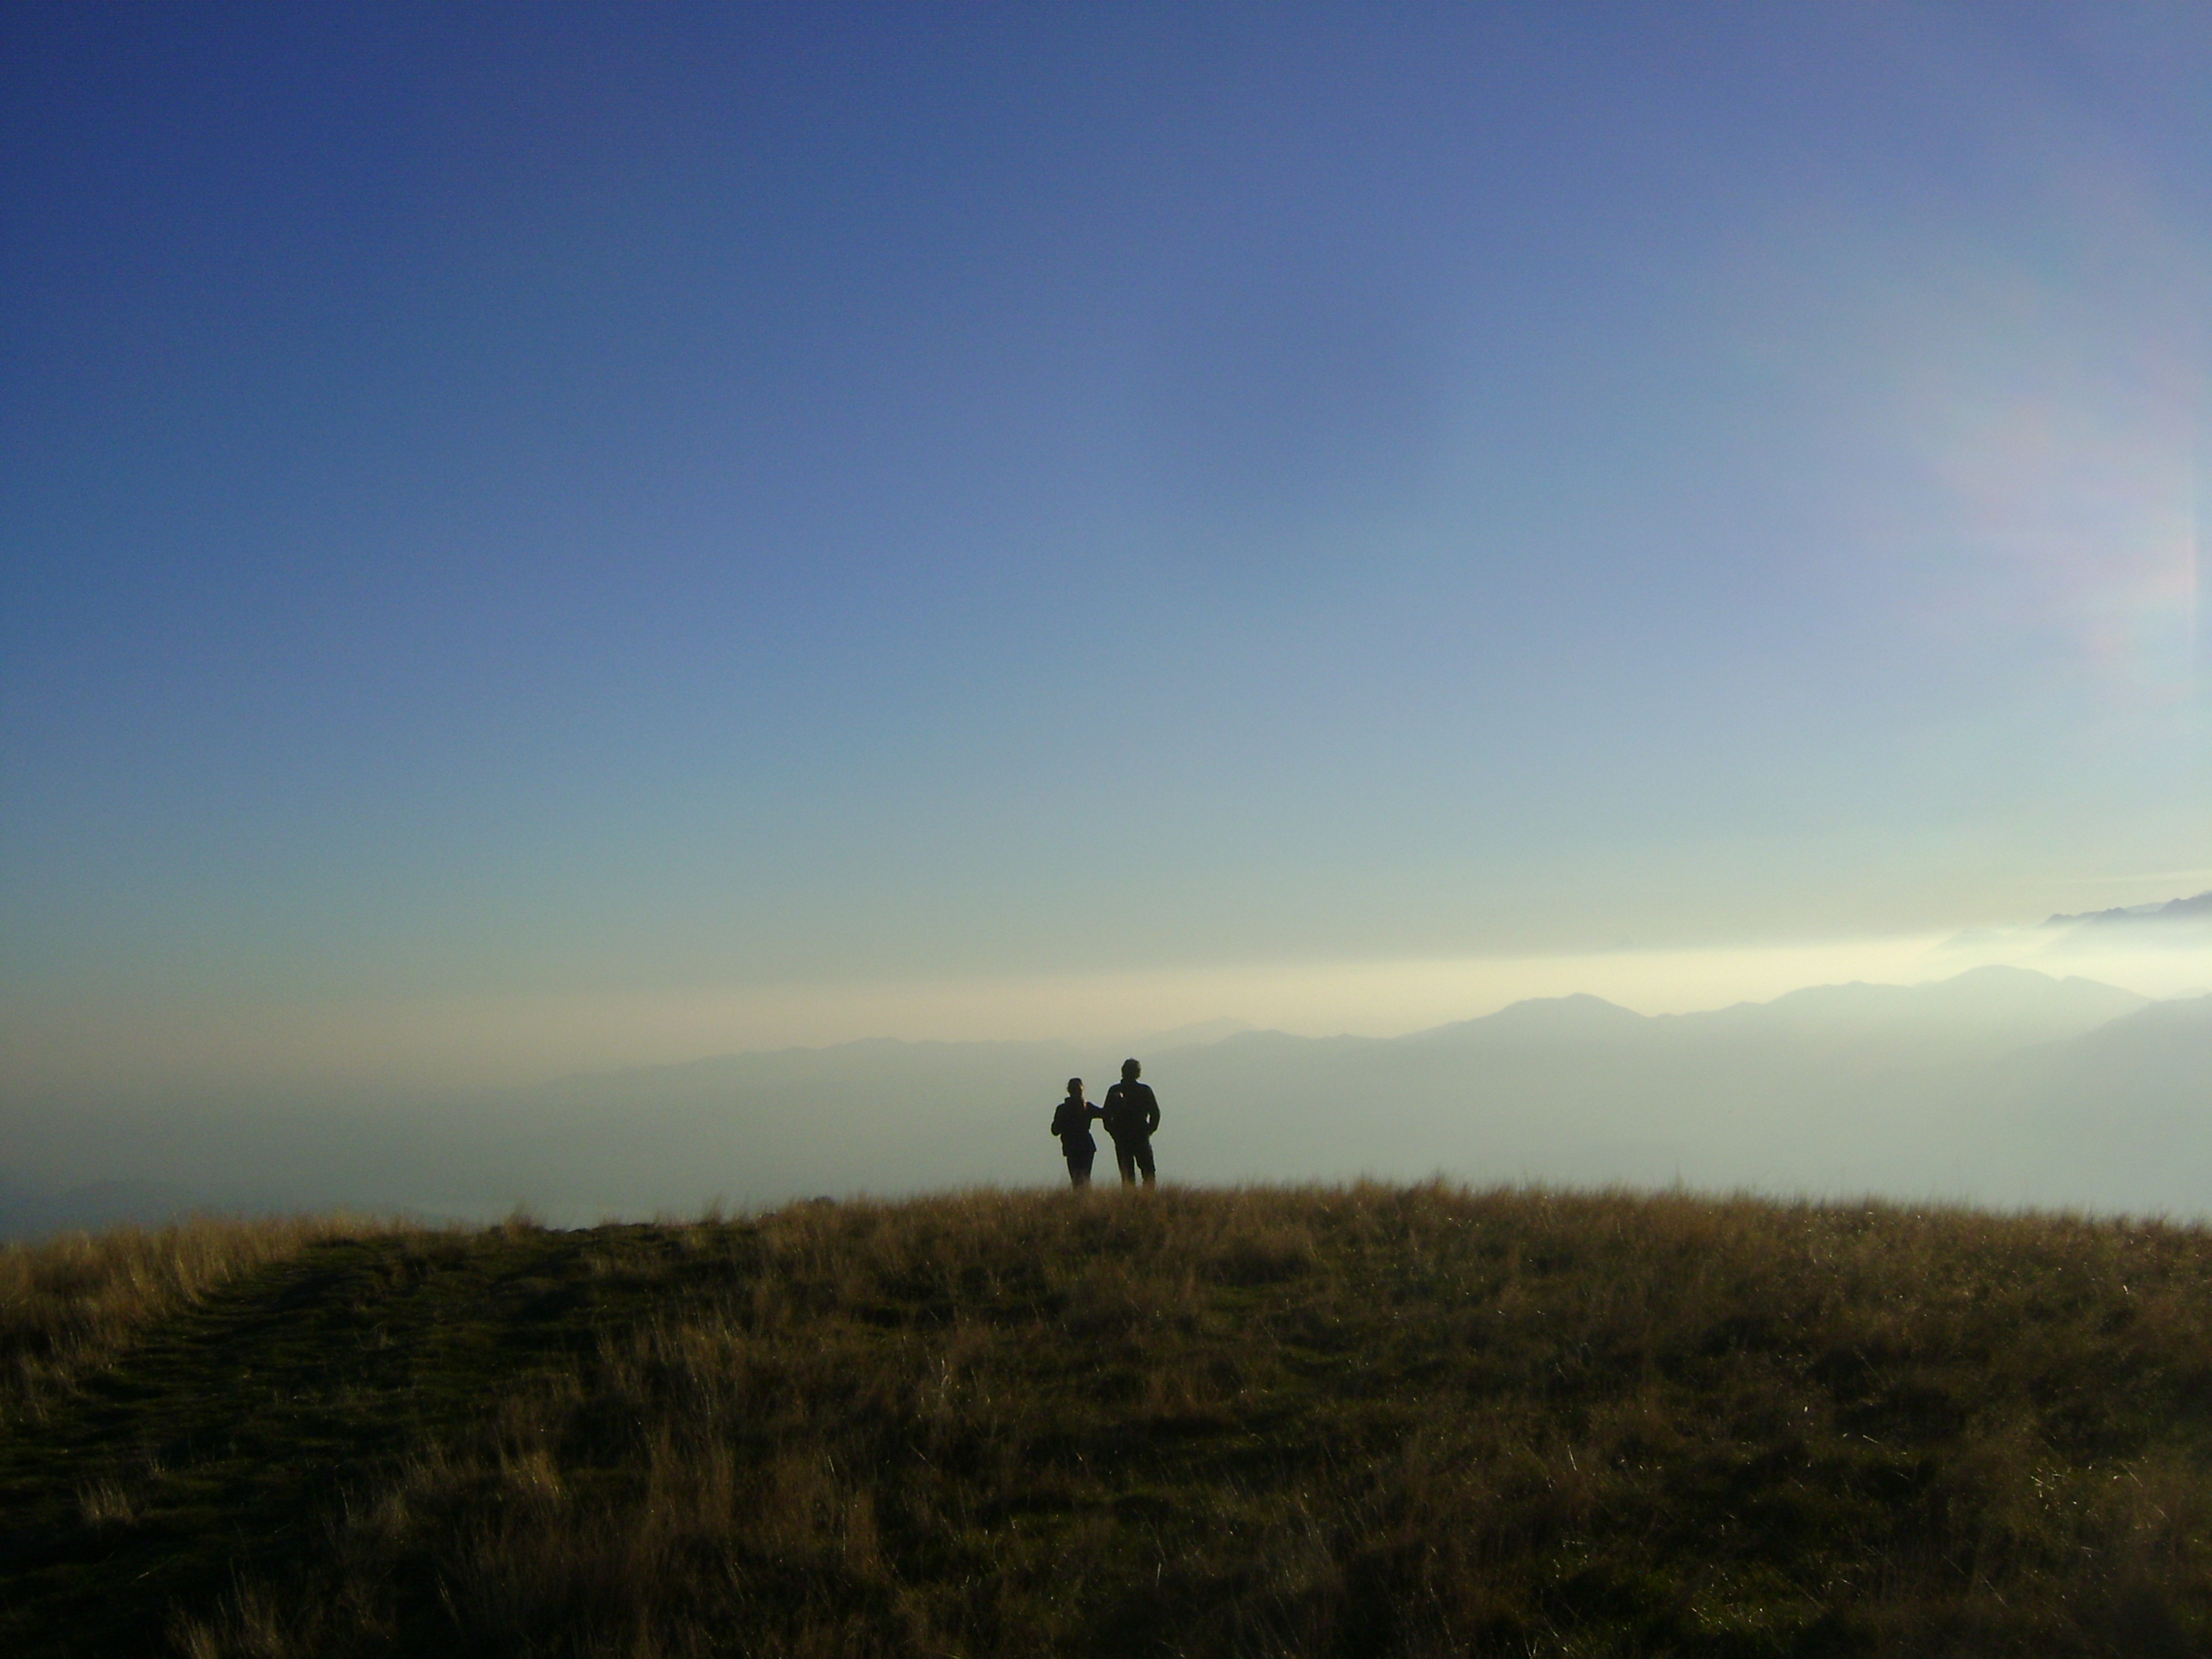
(1144, 1151)
(1078, 1168)
(1128, 1159)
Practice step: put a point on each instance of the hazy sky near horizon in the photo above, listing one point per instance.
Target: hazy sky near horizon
(602, 507)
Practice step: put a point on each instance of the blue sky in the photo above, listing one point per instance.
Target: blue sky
(595, 502)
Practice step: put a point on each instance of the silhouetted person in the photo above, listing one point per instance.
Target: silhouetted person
(1070, 1122)
(1130, 1115)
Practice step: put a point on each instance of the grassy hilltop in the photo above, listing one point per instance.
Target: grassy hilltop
(1326, 1421)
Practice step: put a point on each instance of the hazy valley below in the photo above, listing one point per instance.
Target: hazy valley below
(2001, 1087)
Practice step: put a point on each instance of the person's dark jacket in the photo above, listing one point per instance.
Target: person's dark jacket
(1130, 1111)
(1070, 1122)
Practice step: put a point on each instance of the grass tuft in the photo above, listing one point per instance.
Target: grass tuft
(73, 1301)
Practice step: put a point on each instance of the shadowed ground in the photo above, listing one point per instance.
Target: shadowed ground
(1331, 1421)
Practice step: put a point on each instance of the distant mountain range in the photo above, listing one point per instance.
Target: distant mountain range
(2185, 910)
(2002, 1085)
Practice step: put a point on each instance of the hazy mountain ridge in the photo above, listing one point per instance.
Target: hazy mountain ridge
(2197, 908)
(2000, 1084)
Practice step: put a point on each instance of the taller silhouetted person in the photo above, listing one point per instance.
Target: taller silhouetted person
(1130, 1115)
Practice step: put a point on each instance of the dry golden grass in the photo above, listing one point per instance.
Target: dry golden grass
(73, 1301)
(1341, 1422)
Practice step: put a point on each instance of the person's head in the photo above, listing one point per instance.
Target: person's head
(1131, 1070)
(1075, 1088)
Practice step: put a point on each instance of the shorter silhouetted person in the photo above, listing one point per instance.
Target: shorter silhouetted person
(1130, 1115)
(1070, 1122)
